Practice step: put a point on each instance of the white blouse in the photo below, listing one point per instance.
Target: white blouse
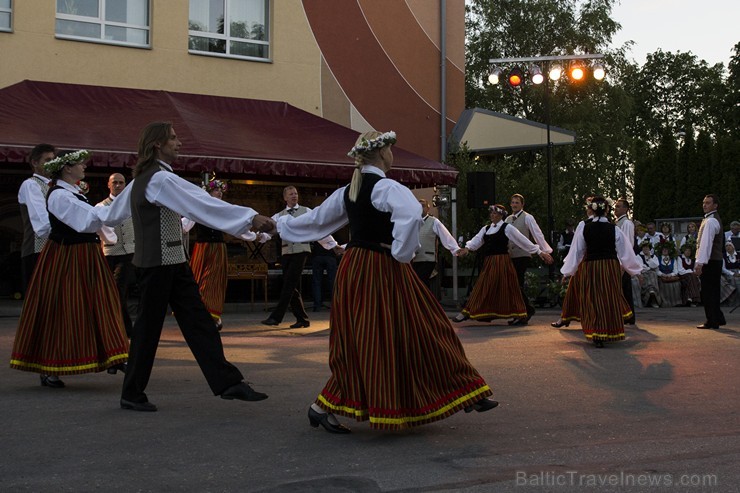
(511, 233)
(623, 245)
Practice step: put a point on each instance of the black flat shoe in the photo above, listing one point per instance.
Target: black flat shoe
(598, 343)
(270, 321)
(243, 392)
(560, 323)
(138, 406)
(482, 406)
(116, 368)
(520, 322)
(46, 381)
(707, 326)
(460, 317)
(300, 324)
(219, 325)
(315, 419)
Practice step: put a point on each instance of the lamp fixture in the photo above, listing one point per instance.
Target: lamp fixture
(598, 71)
(555, 71)
(535, 74)
(494, 75)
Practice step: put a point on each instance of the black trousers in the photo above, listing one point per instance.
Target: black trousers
(290, 295)
(123, 273)
(521, 264)
(710, 293)
(424, 271)
(28, 263)
(175, 286)
(627, 292)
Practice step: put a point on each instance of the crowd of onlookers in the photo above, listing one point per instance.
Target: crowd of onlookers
(668, 262)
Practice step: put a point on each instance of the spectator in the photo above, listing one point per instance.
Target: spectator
(650, 296)
(692, 231)
(730, 272)
(690, 286)
(668, 280)
(566, 238)
(666, 234)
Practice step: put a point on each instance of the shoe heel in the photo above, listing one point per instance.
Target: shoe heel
(313, 420)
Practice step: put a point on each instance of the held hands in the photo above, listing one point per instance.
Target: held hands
(546, 257)
(264, 224)
(462, 252)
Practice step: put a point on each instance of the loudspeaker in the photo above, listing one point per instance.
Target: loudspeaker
(481, 189)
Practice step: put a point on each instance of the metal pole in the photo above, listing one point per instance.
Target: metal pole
(550, 219)
(443, 79)
(453, 208)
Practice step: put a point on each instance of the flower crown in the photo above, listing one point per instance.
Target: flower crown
(54, 166)
(498, 210)
(83, 186)
(603, 205)
(378, 142)
(215, 184)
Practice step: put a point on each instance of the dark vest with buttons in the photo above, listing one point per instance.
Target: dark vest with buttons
(63, 234)
(368, 226)
(157, 230)
(495, 244)
(717, 251)
(204, 234)
(600, 240)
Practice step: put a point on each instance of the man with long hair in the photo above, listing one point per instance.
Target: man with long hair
(158, 198)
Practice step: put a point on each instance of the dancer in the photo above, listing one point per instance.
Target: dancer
(571, 310)
(602, 247)
(709, 263)
(621, 209)
(394, 357)
(496, 293)
(158, 198)
(209, 261)
(426, 258)
(527, 225)
(71, 320)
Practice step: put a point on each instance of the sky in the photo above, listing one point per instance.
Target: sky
(709, 28)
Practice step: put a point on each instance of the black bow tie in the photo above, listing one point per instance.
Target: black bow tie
(291, 211)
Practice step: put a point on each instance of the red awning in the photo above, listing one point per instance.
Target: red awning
(238, 138)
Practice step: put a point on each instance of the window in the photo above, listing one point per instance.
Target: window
(123, 22)
(6, 18)
(231, 28)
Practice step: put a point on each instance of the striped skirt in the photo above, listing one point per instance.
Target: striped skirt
(496, 293)
(209, 265)
(603, 307)
(71, 319)
(572, 302)
(395, 359)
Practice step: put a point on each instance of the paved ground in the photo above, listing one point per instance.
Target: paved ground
(661, 407)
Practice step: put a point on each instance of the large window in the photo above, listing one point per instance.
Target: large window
(6, 18)
(232, 28)
(124, 22)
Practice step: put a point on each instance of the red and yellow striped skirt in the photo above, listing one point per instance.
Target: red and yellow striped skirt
(496, 293)
(395, 359)
(71, 319)
(209, 265)
(603, 307)
(572, 301)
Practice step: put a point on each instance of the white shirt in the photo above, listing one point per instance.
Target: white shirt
(674, 272)
(681, 270)
(728, 235)
(31, 196)
(648, 263)
(623, 246)
(328, 242)
(732, 258)
(511, 233)
(187, 199)
(704, 249)
(78, 215)
(387, 196)
(627, 226)
(445, 237)
(107, 232)
(535, 231)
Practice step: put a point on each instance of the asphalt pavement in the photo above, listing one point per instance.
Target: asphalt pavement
(657, 412)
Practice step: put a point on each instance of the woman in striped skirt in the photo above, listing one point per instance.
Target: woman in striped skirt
(496, 293)
(208, 260)
(395, 359)
(71, 320)
(602, 247)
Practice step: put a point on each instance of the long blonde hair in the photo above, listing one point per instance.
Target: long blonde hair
(366, 157)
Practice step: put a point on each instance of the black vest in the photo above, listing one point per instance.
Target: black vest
(63, 234)
(367, 225)
(204, 234)
(600, 240)
(495, 244)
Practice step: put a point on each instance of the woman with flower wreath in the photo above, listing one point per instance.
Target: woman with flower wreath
(669, 283)
(395, 359)
(602, 248)
(692, 234)
(496, 293)
(71, 320)
(208, 260)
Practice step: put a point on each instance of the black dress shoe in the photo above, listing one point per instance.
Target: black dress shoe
(520, 321)
(482, 406)
(560, 323)
(707, 326)
(300, 324)
(47, 381)
(116, 368)
(243, 392)
(270, 321)
(138, 406)
(598, 343)
(316, 419)
(219, 325)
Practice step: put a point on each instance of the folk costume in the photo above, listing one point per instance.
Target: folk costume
(395, 359)
(690, 285)
(602, 247)
(425, 261)
(71, 320)
(730, 276)
(496, 293)
(669, 282)
(709, 254)
(650, 289)
(210, 264)
(571, 308)
(35, 219)
(628, 228)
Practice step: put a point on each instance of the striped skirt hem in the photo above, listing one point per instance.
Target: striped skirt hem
(496, 293)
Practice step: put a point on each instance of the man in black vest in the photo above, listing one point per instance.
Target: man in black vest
(709, 262)
(158, 197)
